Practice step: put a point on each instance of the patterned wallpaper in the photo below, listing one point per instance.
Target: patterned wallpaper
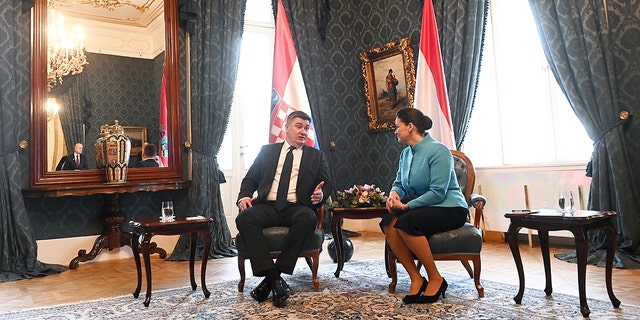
(359, 155)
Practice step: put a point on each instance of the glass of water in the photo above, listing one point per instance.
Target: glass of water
(167, 211)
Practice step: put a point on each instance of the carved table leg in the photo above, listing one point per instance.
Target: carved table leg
(581, 256)
(136, 258)
(112, 237)
(611, 252)
(336, 230)
(512, 237)
(206, 235)
(193, 238)
(147, 265)
(543, 235)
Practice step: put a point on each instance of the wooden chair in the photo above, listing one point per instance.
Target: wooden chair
(275, 237)
(464, 243)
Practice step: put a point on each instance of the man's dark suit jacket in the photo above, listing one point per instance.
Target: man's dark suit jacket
(314, 168)
(149, 163)
(69, 163)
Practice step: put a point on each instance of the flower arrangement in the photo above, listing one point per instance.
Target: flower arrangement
(360, 196)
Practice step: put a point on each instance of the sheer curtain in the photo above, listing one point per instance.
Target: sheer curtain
(215, 48)
(577, 40)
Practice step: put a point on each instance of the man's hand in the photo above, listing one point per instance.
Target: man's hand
(317, 194)
(245, 203)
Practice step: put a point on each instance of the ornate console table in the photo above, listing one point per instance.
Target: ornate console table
(112, 237)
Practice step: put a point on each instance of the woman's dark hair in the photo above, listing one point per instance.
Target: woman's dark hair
(415, 116)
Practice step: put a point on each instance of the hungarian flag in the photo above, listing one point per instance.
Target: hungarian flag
(431, 89)
(288, 93)
(163, 149)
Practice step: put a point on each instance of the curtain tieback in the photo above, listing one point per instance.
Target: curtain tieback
(624, 116)
(22, 145)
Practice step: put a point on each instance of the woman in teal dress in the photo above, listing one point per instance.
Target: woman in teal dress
(425, 199)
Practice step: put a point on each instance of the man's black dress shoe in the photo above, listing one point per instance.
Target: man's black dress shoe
(280, 293)
(262, 291)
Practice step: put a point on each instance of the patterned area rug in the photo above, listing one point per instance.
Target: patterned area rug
(359, 293)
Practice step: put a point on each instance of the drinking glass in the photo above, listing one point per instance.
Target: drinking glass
(571, 207)
(561, 202)
(167, 211)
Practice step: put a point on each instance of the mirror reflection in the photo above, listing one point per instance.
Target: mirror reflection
(105, 63)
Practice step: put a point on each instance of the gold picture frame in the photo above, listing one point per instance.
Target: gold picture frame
(137, 136)
(393, 58)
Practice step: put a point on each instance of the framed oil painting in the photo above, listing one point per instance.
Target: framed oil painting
(137, 136)
(389, 82)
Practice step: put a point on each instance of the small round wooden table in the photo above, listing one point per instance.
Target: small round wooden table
(578, 222)
(149, 228)
(338, 214)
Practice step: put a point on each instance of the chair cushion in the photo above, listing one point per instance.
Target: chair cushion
(466, 239)
(275, 237)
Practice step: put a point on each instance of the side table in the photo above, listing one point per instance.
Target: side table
(338, 214)
(149, 228)
(578, 222)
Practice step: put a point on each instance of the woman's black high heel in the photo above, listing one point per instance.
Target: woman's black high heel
(435, 297)
(410, 298)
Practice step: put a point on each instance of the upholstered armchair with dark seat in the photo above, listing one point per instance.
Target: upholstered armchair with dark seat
(464, 243)
(275, 237)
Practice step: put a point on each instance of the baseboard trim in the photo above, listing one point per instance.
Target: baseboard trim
(499, 236)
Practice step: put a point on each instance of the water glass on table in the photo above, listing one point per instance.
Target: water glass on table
(167, 211)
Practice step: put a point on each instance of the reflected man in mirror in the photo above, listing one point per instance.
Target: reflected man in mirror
(74, 161)
(150, 157)
(139, 157)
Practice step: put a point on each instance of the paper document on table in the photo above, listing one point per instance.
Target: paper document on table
(198, 217)
(547, 212)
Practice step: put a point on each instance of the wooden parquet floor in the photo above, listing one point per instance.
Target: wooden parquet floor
(94, 280)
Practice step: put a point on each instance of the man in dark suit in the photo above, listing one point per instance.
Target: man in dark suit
(74, 161)
(149, 158)
(309, 185)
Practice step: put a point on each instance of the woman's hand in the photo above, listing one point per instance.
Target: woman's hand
(393, 202)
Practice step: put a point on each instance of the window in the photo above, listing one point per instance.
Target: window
(521, 117)
(249, 122)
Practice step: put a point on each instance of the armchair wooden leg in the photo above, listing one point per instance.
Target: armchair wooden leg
(314, 270)
(392, 271)
(467, 267)
(309, 261)
(476, 277)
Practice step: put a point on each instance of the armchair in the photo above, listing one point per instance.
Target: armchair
(464, 243)
(275, 237)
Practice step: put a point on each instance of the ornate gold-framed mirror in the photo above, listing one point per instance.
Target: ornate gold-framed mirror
(92, 181)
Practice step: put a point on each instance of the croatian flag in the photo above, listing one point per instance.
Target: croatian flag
(431, 89)
(163, 149)
(288, 93)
